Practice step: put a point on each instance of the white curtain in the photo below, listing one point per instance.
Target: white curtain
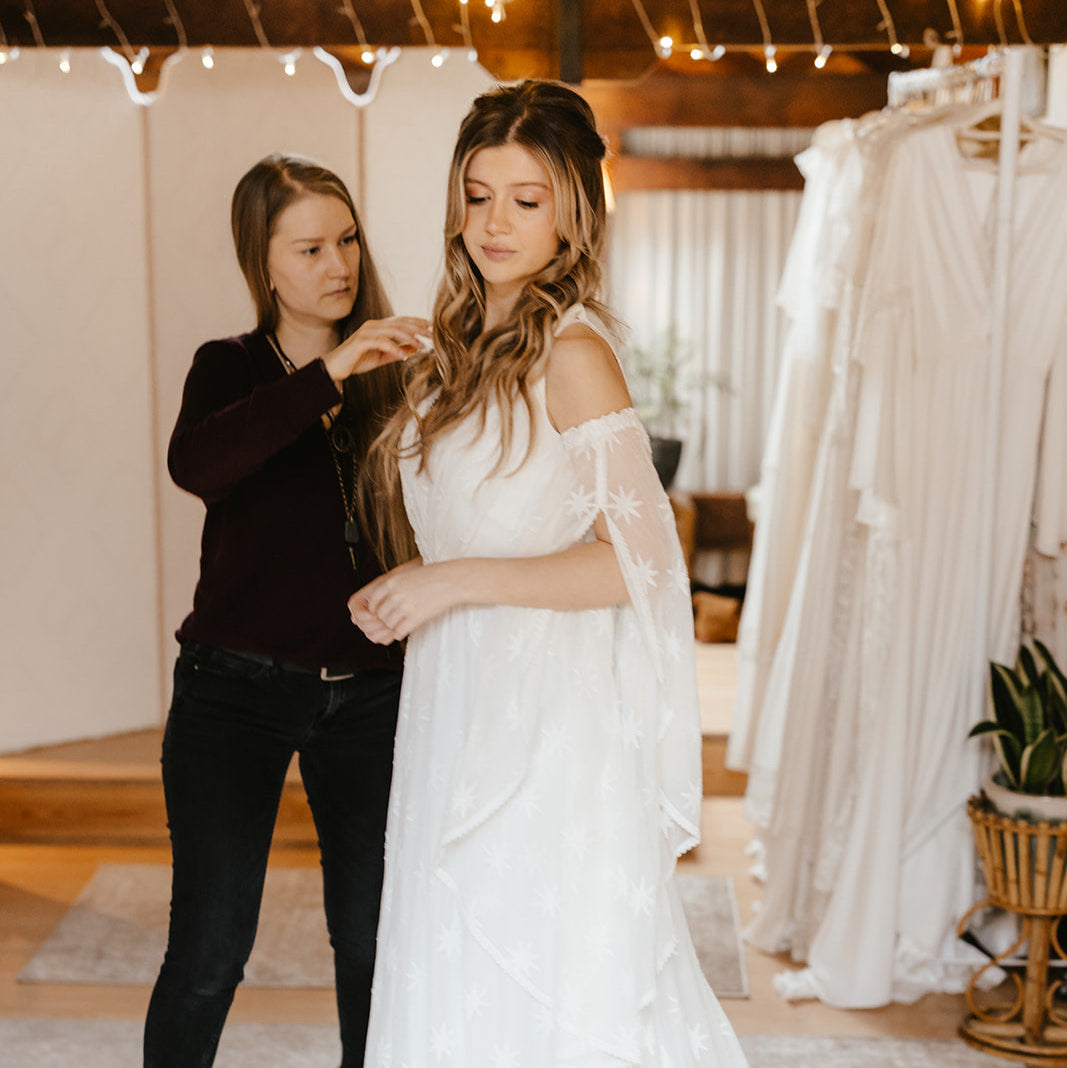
(708, 264)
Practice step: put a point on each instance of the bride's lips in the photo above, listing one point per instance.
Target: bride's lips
(495, 253)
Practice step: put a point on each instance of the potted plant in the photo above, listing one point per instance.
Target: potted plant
(664, 378)
(1028, 729)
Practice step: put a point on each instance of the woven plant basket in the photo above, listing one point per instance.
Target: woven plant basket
(1025, 864)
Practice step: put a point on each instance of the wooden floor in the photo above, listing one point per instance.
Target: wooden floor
(40, 879)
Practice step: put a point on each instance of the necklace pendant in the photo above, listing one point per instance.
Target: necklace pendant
(351, 532)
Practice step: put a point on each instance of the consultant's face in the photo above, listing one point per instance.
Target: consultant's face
(510, 225)
(313, 261)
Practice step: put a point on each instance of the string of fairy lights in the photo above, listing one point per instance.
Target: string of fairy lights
(377, 58)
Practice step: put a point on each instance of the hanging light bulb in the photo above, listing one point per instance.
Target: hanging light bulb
(138, 61)
(8, 54)
(498, 12)
(207, 57)
(64, 61)
(772, 63)
(472, 55)
(697, 53)
(666, 46)
(367, 56)
(823, 56)
(717, 53)
(290, 66)
(439, 57)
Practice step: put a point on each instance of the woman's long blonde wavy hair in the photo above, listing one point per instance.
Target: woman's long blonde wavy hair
(470, 366)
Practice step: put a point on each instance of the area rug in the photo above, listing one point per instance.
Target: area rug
(117, 1044)
(116, 932)
(711, 911)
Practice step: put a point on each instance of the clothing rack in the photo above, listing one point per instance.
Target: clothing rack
(972, 82)
(976, 82)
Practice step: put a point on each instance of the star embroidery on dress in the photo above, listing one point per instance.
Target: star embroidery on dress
(624, 505)
(497, 859)
(556, 739)
(632, 731)
(546, 1022)
(513, 714)
(692, 795)
(607, 783)
(642, 897)
(504, 1057)
(672, 645)
(522, 960)
(475, 1002)
(646, 573)
(576, 841)
(622, 884)
(442, 1041)
(548, 901)
(385, 1051)
(580, 502)
(678, 578)
(698, 1040)
(448, 939)
(528, 802)
(516, 644)
(463, 799)
(416, 976)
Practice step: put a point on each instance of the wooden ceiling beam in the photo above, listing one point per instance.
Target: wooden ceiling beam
(570, 41)
(786, 99)
(647, 173)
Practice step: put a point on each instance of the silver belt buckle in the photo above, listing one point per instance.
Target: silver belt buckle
(324, 674)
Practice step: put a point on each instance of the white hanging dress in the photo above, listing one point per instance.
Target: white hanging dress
(547, 775)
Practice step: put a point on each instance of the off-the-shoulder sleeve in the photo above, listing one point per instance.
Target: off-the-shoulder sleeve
(613, 458)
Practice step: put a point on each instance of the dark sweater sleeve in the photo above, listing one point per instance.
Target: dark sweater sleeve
(231, 422)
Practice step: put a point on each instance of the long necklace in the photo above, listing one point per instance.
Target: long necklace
(341, 441)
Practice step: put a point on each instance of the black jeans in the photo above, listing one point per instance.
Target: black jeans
(233, 727)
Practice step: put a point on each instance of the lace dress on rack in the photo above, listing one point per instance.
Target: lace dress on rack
(875, 678)
(547, 776)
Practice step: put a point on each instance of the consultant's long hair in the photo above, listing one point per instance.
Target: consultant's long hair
(470, 366)
(262, 194)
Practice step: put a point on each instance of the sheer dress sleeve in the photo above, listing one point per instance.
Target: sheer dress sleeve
(655, 656)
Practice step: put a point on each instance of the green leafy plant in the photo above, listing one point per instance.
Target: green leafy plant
(664, 378)
(1029, 724)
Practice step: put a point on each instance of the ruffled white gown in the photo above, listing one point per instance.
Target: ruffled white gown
(547, 775)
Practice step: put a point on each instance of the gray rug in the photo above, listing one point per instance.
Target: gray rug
(116, 931)
(116, 1044)
(711, 909)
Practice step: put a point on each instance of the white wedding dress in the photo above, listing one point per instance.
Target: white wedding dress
(547, 775)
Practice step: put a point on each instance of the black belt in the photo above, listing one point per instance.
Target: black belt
(209, 651)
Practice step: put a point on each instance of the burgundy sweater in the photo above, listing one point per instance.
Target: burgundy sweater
(275, 573)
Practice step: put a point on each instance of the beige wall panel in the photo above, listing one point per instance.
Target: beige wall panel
(409, 136)
(78, 609)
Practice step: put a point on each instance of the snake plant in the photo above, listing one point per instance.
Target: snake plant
(1029, 724)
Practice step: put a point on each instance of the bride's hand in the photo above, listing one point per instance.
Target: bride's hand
(402, 600)
(375, 343)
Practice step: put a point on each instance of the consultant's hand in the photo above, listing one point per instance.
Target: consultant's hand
(377, 342)
(398, 602)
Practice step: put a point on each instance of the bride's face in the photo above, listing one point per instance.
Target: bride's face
(509, 226)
